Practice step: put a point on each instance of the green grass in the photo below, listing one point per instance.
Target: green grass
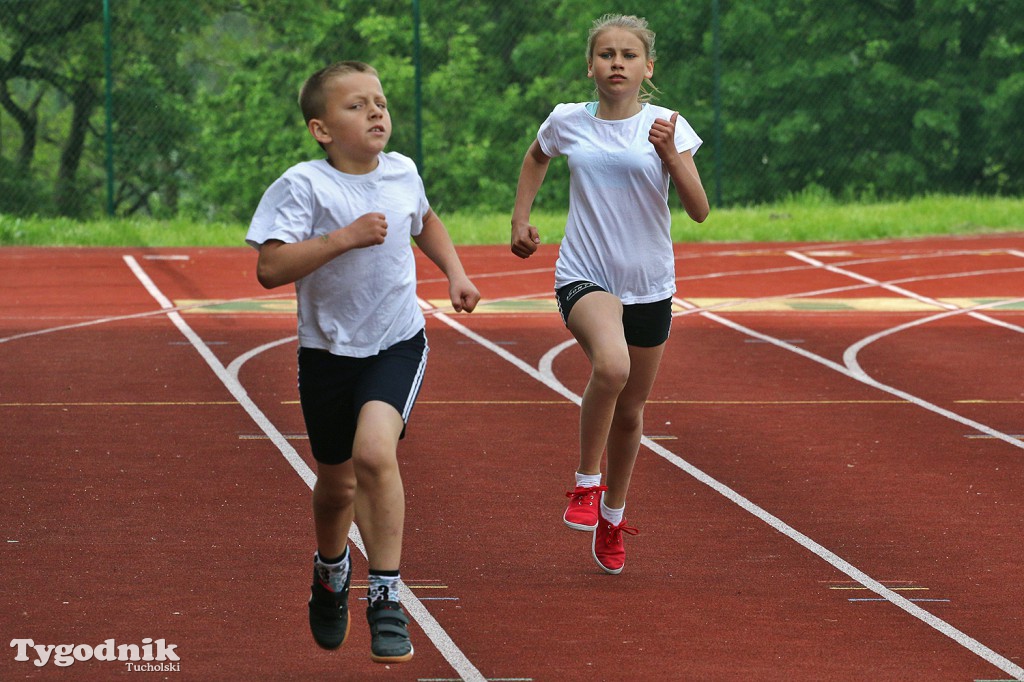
(807, 217)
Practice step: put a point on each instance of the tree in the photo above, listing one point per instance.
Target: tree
(55, 97)
(35, 81)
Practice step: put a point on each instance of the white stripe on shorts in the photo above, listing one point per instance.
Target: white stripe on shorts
(417, 382)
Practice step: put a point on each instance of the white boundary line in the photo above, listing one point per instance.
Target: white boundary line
(853, 365)
(430, 626)
(545, 376)
(906, 293)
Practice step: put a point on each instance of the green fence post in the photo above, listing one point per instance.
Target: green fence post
(716, 57)
(109, 105)
(418, 88)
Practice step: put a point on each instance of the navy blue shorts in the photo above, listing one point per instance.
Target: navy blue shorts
(334, 388)
(646, 325)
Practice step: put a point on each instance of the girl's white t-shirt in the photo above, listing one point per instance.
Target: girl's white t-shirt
(363, 301)
(618, 231)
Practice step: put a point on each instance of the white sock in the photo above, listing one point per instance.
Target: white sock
(613, 516)
(332, 576)
(587, 480)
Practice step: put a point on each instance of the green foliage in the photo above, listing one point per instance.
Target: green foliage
(874, 98)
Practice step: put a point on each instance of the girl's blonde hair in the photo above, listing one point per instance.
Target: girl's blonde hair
(638, 27)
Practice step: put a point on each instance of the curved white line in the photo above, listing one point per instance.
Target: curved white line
(891, 286)
(850, 355)
(546, 366)
(850, 359)
(236, 364)
(546, 377)
(413, 605)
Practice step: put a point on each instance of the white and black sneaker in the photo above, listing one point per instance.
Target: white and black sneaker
(328, 610)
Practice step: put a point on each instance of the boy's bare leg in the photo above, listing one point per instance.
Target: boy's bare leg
(380, 515)
(596, 322)
(333, 511)
(333, 506)
(380, 496)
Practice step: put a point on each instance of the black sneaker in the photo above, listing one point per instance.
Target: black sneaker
(389, 632)
(328, 612)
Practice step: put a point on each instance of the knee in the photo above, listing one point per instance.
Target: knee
(375, 462)
(336, 494)
(611, 371)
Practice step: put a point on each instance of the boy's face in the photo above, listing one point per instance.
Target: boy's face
(356, 124)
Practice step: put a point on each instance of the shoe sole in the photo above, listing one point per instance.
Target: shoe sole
(392, 659)
(579, 526)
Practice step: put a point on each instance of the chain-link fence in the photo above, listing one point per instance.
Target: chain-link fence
(185, 108)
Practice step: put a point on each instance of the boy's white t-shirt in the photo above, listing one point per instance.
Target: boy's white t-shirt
(364, 300)
(618, 232)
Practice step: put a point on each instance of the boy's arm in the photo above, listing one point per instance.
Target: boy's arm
(436, 243)
(525, 237)
(282, 263)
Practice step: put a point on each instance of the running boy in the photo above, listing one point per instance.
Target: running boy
(339, 228)
(615, 274)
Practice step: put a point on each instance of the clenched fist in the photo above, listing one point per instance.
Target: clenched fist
(368, 230)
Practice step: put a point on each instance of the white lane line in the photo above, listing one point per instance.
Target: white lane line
(132, 316)
(901, 291)
(695, 309)
(800, 268)
(850, 356)
(547, 378)
(451, 652)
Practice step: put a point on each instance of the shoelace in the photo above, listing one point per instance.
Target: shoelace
(577, 496)
(615, 532)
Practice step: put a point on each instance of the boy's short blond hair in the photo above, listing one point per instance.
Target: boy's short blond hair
(312, 99)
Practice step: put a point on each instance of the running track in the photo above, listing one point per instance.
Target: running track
(830, 486)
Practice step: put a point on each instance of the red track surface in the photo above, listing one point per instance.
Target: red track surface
(815, 501)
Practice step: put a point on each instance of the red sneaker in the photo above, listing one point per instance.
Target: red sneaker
(607, 547)
(581, 514)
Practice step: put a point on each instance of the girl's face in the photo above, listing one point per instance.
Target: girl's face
(619, 64)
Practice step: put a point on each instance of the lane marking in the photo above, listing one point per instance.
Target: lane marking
(863, 378)
(986, 303)
(125, 403)
(441, 640)
(113, 318)
(694, 309)
(545, 376)
(854, 369)
(263, 436)
(913, 599)
(529, 306)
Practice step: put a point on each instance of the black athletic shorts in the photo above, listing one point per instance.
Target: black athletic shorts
(334, 388)
(646, 325)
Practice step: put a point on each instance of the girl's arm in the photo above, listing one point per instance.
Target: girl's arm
(282, 263)
(436, 243)
(525, 237)
(680, 168)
